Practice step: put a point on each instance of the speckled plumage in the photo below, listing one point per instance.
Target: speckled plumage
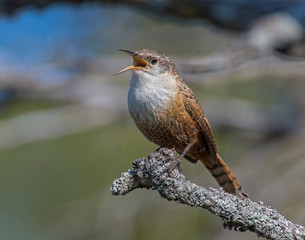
(167, 112)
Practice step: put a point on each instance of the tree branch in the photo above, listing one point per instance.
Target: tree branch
(240, 214)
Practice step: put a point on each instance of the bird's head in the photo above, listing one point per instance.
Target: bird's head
(149, 62)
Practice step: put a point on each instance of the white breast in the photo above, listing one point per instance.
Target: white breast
(149, 94)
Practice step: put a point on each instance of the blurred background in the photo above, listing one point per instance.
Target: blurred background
(65, 132)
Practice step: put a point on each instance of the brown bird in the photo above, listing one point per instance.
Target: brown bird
(167, 112)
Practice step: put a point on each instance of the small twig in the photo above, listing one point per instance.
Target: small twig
(238, 213)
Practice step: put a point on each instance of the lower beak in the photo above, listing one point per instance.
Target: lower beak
(138, 63)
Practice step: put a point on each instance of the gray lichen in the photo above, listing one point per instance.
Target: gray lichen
(237, 213)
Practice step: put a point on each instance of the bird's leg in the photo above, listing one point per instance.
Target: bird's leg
(176, 163)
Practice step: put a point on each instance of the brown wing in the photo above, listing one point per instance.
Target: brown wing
(195, 111)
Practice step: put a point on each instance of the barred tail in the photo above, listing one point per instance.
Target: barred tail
(223, 175)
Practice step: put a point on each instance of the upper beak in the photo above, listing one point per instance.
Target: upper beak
(137, 64)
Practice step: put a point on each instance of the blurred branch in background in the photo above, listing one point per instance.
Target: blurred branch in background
(44, 124)
(240, 214)
(269, 33)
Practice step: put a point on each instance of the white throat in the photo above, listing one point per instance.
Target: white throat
(149, 94)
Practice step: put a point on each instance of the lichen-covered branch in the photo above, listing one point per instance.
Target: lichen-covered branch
(238, 213)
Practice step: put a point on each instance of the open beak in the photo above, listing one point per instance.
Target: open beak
(138, 63)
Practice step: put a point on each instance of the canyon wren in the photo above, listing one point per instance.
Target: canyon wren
(167, 112)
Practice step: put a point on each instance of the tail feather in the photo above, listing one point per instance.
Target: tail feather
(223, 175)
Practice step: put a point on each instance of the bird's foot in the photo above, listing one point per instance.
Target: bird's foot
(175, 163)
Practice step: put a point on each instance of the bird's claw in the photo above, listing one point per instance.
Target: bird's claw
(175, 163)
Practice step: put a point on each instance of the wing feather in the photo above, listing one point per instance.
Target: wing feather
(195, 111)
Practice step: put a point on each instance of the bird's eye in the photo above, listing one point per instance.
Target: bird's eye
(154, 61)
